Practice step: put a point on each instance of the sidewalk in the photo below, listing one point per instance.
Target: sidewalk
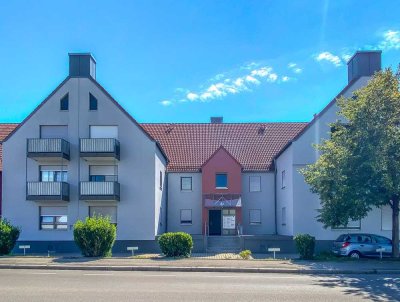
(201, 263)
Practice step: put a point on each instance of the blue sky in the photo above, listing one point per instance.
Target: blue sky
(184, 61)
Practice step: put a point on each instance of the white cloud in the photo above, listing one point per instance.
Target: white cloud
(166, 103)
(391, 40)
(239, 82)
(253, 80)
(346, 57)
(285, 78)
(261, 72)
(327, 56)
(192, 96)
(297, 70)
(293, 66)
(272, 77)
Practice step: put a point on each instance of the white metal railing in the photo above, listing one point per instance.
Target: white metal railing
(47, 188)
(100, 145)
(93, 188)
(47, 145)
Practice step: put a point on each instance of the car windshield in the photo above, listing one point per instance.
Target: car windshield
(343, 238)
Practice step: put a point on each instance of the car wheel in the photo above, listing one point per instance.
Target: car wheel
(355, 255)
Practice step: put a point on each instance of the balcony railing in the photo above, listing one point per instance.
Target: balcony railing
(99, 147)
(47, 147)
(102, 190)
(47, 191)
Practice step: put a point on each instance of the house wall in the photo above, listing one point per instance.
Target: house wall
(136, 169)
(305, 203)
(160, 193)
(285, 194)
(182, 200)
(263, 200)
(1, 188)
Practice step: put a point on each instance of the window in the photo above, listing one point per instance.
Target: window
(221, 180)
(255, 217)
(105, 211)
(381, 240)
(53, 174)
(186, 184)
(92, 102)
(53, 218)
(283, 180)
(64, 103)
(161, 180)
(186, 216)
(284, 216)
(103, 173)
(255, 183)
(54, 131)
(104, 132)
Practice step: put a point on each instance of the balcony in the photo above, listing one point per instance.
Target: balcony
(54, 191)
(41, 148)
(102, 190)
(100, 148)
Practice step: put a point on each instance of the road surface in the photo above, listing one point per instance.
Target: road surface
(48, 285)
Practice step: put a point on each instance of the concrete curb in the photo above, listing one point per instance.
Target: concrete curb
(197, 269)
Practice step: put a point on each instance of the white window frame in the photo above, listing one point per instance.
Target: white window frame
(55, 224)
(191, 183)
(259, 183)
(191, 217)
(250, 216)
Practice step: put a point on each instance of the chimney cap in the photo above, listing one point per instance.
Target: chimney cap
(216, 120)
(83, 54)
(358, 52)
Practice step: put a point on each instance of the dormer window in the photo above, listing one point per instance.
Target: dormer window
(221, 181)
(64, 103)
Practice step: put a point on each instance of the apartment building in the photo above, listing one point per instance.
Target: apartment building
(230, 185)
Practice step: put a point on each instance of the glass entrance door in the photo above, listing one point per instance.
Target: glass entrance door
(228, 222)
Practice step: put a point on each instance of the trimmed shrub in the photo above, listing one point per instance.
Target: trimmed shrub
(246, 254)
(9, 235)
(178, 244)
(95, 236)
(305, 245)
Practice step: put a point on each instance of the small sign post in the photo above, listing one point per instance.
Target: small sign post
(380, 251)
(132, 249)
(274, 250)
(24, 247)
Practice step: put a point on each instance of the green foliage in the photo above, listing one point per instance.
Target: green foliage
(305, 245)
(9, 235)
(246, 254)
(178, 244)
(359, 167)
(95, 236)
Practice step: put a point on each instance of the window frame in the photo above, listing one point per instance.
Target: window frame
(187, 221)
(348, 227)
(96, 102)
(255, 223)
(216, 176)
(161, 180)
(283, 216)
(283, 179)
(90, 213)
(65, 98)
(191, 183)
(259, 179)
(54, 222)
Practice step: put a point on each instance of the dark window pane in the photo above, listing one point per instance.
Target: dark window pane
(92, 102)
(64, 103)
(221, 180)
(98, 178)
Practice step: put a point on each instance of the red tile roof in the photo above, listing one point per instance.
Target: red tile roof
(254, 145)
(188, 146)
(5, 129)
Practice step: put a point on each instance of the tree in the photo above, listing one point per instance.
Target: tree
(359, 166)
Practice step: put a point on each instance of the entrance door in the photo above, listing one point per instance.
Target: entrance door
(214, 218)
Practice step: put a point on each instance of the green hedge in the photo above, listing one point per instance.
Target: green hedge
(95, 236)
(305, 245)
(176, 244)
(9, 235)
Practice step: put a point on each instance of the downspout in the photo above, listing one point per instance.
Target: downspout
(275, 198)
(166, 201)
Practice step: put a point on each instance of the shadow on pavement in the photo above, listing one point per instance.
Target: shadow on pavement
(379, 288)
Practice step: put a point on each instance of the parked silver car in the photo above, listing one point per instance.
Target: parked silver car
(359, 245)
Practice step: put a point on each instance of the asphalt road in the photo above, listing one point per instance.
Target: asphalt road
(46, 285)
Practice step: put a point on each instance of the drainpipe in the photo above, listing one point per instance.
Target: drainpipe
(166, 201)
(275, 198)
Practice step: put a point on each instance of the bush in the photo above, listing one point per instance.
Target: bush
(95, 236)
(178, 244)
(305, 245)
(9, 235)
(246, 254)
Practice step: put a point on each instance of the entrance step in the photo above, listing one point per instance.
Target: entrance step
(220, 244)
